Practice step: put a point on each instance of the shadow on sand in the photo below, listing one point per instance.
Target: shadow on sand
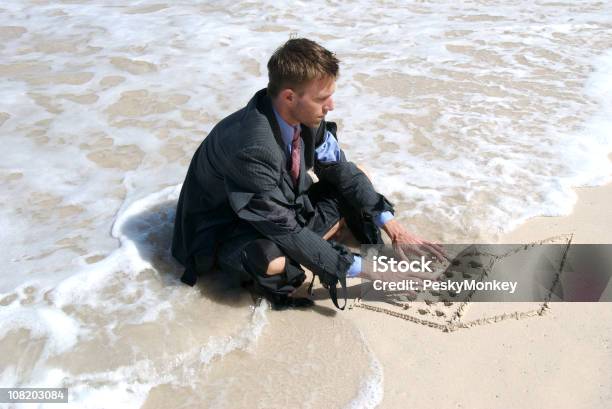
(151, 232)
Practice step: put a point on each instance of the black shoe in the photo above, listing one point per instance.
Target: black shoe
(291, 302)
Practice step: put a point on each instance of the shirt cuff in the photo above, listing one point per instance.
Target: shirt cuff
(355, 268)
(383, 218)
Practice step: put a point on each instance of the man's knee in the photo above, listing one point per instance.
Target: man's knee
(263, 257)
(276, 266)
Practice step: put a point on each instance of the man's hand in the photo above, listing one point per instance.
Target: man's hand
(405, 243)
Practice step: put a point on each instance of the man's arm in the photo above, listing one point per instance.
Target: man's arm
(254, 195)
(331, 165)
(352, 184)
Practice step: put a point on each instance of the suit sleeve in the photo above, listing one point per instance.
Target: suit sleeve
(255, 197)
(353, 185)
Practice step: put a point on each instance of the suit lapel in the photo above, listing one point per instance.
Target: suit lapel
(265, 106)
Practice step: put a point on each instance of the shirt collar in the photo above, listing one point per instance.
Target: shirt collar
(287, 130)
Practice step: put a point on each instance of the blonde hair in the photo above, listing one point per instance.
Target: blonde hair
(297, 62)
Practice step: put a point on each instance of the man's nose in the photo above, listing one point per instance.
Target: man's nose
(329, 105)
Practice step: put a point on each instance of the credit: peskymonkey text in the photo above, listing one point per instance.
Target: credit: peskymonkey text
(454, 286)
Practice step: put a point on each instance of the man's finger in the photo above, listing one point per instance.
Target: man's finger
(399, 251)
(432, 249)
(414, 248)
(441, 250)
(437, 246)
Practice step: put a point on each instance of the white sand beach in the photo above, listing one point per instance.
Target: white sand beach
(481, 121)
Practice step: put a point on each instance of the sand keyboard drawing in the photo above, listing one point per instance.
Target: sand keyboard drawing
(536, 266)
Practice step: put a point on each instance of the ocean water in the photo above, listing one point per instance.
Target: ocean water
(470, 116)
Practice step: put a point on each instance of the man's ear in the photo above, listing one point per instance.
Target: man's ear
(287, 96)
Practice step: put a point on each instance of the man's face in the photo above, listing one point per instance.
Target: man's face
(311, 107)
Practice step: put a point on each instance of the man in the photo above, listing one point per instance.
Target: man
(248, 204)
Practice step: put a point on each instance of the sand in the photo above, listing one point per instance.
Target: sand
(561, 359)
(589, 221)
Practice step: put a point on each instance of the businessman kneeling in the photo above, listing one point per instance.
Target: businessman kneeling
(248, 204)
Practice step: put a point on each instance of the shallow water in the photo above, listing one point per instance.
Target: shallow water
(471, 117)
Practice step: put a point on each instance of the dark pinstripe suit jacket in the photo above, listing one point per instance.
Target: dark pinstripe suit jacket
(239, 172)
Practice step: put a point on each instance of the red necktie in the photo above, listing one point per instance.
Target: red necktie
(296, 151)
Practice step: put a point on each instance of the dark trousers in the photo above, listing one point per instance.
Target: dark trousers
(247, 253)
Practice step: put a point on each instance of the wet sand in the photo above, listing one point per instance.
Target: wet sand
(589, 222)
(559, 360)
